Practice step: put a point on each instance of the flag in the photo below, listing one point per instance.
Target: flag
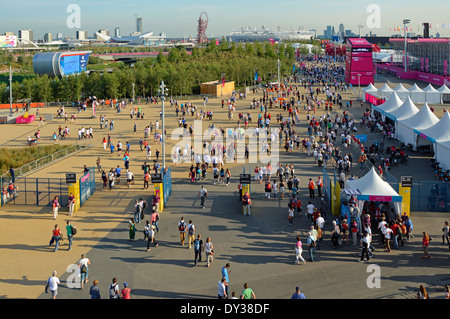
(256, 76)
(293, 67)
(223, 81)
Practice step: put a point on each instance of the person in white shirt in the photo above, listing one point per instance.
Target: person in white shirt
(320, 221)
(130, 177)
(221, 291)
(310, 211)
(52, 284)
(84, 266)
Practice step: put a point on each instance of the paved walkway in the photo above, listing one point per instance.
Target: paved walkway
(260, 247)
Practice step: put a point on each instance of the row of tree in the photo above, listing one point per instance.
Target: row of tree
(182, 72)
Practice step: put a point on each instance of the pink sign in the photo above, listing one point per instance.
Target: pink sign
(380, 198)
(85, 177)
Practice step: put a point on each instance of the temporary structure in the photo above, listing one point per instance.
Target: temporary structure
(443, 154)
(390, 105)
(420, 121)
(432, 95)
(385, 91)
(439, 132)
(402, 92)
(417, 94)
(371, 90)
(371, 187)
(445, 93)
(406, 110)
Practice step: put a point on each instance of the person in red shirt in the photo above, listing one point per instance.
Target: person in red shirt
(311, 188)
(56, 237)
(125, 293)
(425, 243)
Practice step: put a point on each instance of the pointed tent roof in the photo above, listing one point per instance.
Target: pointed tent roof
(400, 88)
(415, 88)
(430, 88)
(444, 89)
(385, 88)
(439, 132)
(372, 185)
(392, 103)
(370, 87)
(404, 111)
(421, 120)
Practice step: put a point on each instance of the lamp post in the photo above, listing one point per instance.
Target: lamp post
(405, 22)
(133, 92)
(162, 91)
(10, 91)
(359, 85)
(278, 71)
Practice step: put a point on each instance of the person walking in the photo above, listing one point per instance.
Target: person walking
(291, 215)
(198, 247)
(55, 207)
(56, 237)
(298, 252)
(125, 292)
(130, 177)
(191, 233)
(94, 291)
(310, 243)
(224, 272)
(422, 294)
(445, 233)
(83, 264)
(71, 204)
(425, 243)
(151, 238)
(365, 243)
(114, 289)
(132, 229)
(70, 230)
(209, 251)
(246, 203)
(154, 219)
(221, 289)
(311, 188)
(298, 294)
(202, 194)
(319, 184)
(247, 293)
(52, 285)
(182, 230)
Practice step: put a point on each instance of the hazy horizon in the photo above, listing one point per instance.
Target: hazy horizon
(177, 19)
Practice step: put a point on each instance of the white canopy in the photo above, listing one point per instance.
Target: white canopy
(390, 105)
(432, 95)
(370, 89)
(443, 154)
(417, 94)
(402, 92)
(439, 132)
(385, 91)
(420, 121)
(406, 110)
(445, 93)
(373, 188)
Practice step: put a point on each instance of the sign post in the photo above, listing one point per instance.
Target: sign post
(245, 181)
(404, 190)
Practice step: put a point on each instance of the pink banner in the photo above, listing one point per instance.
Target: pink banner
(380, 198)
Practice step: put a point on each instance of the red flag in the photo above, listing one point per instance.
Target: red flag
(223, 81)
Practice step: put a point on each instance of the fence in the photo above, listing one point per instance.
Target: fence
(87, 185)
(36, 191)
(41, 162)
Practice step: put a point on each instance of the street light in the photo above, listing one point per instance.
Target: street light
(10, 91)
(359, 85)
(133, 92)
(162, 92)
(405, 22)
(278, 68)
(221, 83)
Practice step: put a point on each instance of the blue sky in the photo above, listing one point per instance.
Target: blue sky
(179, 18)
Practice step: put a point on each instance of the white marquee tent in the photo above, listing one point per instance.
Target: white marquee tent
(370, 89)
(371, 187)
(417, 94)
(405, 111)
(420, 121)
(443, 154)
(445, 93)
(402, 92)
(390, 105)
(385, 91)
(432, 95)
(438, 133)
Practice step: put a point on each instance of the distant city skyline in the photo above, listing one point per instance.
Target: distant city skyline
(177, 19)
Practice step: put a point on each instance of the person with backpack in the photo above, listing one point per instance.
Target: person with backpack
(83, 265)
(191, 233)
(151, 237)
(114, 289)
(198, 248)
(182, 230)
(268, 189)
(71, 231)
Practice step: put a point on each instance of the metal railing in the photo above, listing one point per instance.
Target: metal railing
(46, 160)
